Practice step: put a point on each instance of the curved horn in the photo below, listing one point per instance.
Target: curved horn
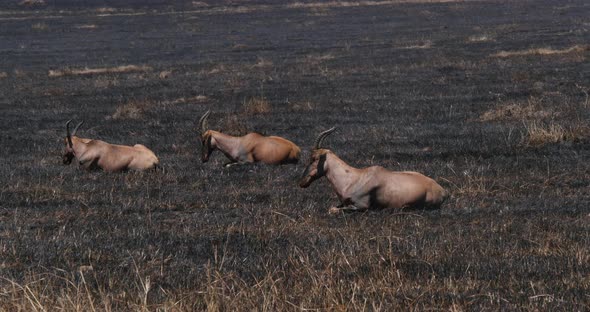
(68, 135)
(321, 137)
(78, 126)
(203, 122)
(68, 128)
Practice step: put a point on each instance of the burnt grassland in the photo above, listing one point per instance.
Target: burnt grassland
(489, 98)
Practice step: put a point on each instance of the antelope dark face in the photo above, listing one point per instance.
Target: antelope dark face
(68, 154)
(316, 168)
(206, 146)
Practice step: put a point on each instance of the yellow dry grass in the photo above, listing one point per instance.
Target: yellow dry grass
(538, 133)
(344, 4)
(316, 58)
(3, 75)
(200, 4)
(98, 71)
(424, 45)
(86, 26)
(131, 110)
(480, 38)
(517, 111)
(542, 51)
(106, 10)
(257, 105)
(262, 63)
(300, 106)
(39, 26)
(32, 2)
(182, 100)
(135, 109)
(165, 74)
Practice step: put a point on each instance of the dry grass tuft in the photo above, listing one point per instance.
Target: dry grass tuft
(261, 63)
(39, 26)
(131, 110)
(543, 51)
(20, 73)
(480, 38)
(32, 2)
(346, 4)
(200, 4)
(182, 100)
(318, 58)
(220, 68)
(106, 10)
(104, 82)
(473, 185)
(3, 75)
(517, 111)
(302, 106)
(87, 26)
(239, 47)
(165, 74)
(136, 109)
(99, 71)
(257, 105)
(424, 45)
(538, 134)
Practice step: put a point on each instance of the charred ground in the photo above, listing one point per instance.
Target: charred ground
(488, 98)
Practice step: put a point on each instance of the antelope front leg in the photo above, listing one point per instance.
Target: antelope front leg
(342, 208)
(233, 163)
(85, 164)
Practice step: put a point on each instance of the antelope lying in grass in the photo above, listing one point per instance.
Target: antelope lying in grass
(93, 154)
(251, 148)
(373, 187)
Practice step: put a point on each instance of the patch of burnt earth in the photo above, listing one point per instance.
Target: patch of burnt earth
(411, 86)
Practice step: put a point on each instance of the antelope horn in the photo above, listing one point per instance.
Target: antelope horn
(203, 122)
(322, 136)
(68, 135)
(78, 126)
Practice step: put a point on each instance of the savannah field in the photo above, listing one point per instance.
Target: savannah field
(490, 98)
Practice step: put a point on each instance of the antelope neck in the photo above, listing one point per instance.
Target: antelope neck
(79, 145)
(226, 143)
(340, 174)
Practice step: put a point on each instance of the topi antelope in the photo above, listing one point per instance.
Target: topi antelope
(251, 148)
(93, 154)
(372, 187)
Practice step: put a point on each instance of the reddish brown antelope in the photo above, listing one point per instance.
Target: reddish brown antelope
(372, 187)
(251, 148)
(93, 154)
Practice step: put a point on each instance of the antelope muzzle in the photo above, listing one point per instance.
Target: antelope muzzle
(67, 158)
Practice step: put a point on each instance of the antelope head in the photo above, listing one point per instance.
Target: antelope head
(316, 167)
(69, 152)
(206, 147)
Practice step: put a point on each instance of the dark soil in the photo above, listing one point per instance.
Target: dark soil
(407, 85)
